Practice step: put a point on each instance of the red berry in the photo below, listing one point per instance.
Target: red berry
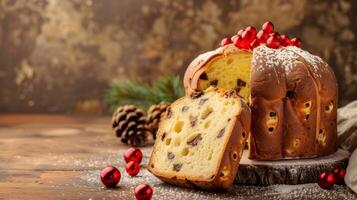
(240, 32)
(133, 154)
(248, 35)
(226, 41)
(143, 192)
(251, 29)
(132, 168)
(339, 174)
(273, 42)
(268, 27)
(110, 176)
(326, 180)
(284, 40)
(262, 36)
(296, 42)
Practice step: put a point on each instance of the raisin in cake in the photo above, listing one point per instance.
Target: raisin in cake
(201, 139)
(292, 95)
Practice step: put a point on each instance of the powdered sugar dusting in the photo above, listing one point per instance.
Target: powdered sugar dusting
(165, 191)
(125, 189)
(286, 57)
(90, 183)
(317, 64)
(264, 56)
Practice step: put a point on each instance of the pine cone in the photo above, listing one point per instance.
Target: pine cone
(129, 124)
(154, 115)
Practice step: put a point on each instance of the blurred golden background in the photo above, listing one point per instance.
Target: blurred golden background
(59, 56)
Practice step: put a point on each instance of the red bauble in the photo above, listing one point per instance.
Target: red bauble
(133, 154)
(252, 30)
(143, 192)
(326, 180)
(296, 42)
(110, 176)
(262, 36)
(339, 174)
(273, 42)
(268, 27)
(284, 40)
(132, 168)
(226, 41)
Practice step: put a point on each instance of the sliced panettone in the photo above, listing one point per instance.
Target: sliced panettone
(201, 139)
(292, 95)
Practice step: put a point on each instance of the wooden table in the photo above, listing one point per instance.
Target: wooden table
(60, 157)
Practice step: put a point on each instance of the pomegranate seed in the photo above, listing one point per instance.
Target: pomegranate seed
(226, 41)
(251, 29)
(240, 32)
(296, 42)
(274, 34)
(256, 42)
(234, 38)
(241, 43)
(273, 42)
(238, 41)
(284, 40)
(268, 27)
(248, 35)
(262, 36)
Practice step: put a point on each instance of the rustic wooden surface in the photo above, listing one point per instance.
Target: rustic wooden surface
(60, 157)
(288, 171)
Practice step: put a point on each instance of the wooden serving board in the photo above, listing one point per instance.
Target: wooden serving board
(290, 171)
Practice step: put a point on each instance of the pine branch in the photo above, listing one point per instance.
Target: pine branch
(165, 89)
(129, 92)
(168, 88)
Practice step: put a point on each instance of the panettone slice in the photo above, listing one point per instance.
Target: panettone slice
(201, 139)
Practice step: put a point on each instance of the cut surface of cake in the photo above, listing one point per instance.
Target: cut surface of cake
(292, 95)
(200, 140)
(227, 71)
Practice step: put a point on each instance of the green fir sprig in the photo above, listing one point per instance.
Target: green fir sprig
(165, 89)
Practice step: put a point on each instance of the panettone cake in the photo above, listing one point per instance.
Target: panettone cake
(292, 94)
(292, 99)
